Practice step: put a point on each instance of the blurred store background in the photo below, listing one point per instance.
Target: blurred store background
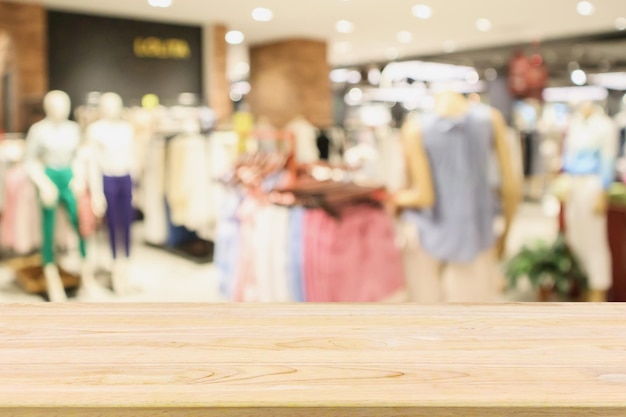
(312, 151)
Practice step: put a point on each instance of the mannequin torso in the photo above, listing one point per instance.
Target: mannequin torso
(54, 143)
(112, 142)
(421, 191)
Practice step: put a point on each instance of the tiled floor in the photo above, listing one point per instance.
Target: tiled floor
(163, 277)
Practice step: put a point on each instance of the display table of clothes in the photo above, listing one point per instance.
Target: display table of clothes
(307, 240)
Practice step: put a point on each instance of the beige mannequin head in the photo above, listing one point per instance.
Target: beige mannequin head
(111, 106)
(57, 106)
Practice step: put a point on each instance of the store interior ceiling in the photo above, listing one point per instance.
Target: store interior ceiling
(363, 31)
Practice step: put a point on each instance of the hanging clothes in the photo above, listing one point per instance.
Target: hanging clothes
(155, 217)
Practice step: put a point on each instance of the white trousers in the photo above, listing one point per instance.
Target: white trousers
(432, 281)
(586, 231)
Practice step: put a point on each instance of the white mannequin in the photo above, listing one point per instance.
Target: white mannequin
(592, 137)
(111, 140)
(52, 145)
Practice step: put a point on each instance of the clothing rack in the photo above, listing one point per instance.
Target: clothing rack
(182, 241)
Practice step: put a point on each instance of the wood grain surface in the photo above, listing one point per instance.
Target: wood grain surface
(192, 360)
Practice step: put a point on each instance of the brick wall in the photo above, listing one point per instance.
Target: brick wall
(25, 25)
(291, 78)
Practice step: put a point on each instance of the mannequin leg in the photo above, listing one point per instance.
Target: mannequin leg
(126, 207)
(423, 273)
(587, 235)
(90, 289)
(121, 207)
(54, 285)
(474, 282)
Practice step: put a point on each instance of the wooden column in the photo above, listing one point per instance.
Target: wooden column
(216, 83)
(25, 25)
(291, 78)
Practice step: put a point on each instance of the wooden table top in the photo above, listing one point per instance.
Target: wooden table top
(312, 360)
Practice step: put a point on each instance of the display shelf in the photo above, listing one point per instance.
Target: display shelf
(114, 360)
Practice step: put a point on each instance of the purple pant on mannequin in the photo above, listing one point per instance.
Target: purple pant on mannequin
(118, 192)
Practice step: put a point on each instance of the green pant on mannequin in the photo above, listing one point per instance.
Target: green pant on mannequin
(61, 178)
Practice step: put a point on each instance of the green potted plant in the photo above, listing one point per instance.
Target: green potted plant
(552, 270)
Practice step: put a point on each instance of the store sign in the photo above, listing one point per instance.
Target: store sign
(152, 47)
(129, 57)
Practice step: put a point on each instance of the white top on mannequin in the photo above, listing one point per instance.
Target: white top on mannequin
(112, 139)
(54, 141)
(306, 140)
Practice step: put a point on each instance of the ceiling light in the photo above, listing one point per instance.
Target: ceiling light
(579, 77)
(575, 94)
(339, 75)
(234, 37)
(405, 36)
(354, 97)
(484, 25)
(160, 3)
(610, 80)
(373, 76)
(472, 77)
(585, 8)
(344, 26)
(262, 14)
(422, 11)
(354, 77)
(620, 23)
(235, 96)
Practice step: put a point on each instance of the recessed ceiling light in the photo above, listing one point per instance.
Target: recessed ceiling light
(160, 3)
(579, 77)
(344, 26)
(422, 11)
(585, 8)
(354, 77)
(234, 37)
(374, 76)
(262, 14)
(355, 94)
(472, 77)
(620, 23)
(484, 25)
(405, 36)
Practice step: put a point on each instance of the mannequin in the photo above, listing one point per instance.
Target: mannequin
(364, 157)
(450, 205)
(51, 148)
(589, 170)
(306, 151)
(112, 148)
